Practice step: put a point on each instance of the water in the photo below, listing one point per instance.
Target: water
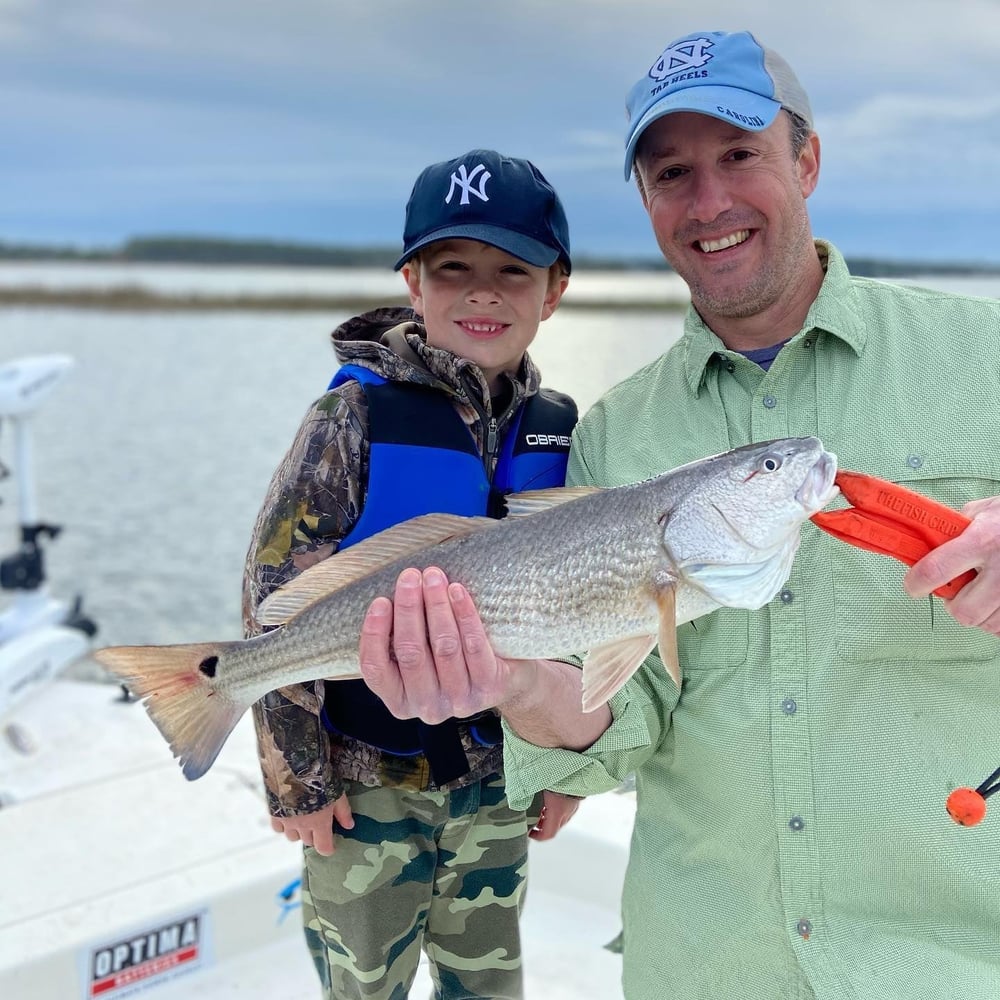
(155, 452)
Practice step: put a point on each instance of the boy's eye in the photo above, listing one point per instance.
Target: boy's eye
(514, 269)
(452, 265)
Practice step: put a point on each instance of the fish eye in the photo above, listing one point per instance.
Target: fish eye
(770, 463)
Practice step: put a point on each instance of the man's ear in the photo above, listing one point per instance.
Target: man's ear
(808, 165)
(411, 274)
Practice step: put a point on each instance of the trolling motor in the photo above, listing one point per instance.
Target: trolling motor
(39, 634)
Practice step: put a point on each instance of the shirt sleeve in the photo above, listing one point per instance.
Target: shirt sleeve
(530, 769)
(314, 499)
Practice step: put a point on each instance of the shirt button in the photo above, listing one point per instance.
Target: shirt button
(807, 343)
(804, 927)
(770, 402)
(789, 706)
(796, 823)
(914, 461)
(786, 596)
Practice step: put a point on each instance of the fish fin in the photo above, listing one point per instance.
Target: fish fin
(194, 715)
(666, 601)
(362, 559)
(534, 501)
(606, 668)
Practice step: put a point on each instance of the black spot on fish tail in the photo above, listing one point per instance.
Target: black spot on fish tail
(208, 665)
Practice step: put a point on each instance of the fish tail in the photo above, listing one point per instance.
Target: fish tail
(175, 683)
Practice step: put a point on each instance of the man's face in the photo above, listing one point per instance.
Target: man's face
(728, 210)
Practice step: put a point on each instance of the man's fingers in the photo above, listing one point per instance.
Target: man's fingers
(375, 655)
(446, 645)
(412, 649)
(489, 674)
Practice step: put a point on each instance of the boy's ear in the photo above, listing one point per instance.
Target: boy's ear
(553, 295)
(411, 274)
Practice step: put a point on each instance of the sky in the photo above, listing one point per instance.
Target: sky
(308, 120)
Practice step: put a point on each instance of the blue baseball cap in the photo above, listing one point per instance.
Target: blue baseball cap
(491, 198)
(727, 76)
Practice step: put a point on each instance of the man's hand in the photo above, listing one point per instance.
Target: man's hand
(557, 811)
(316, 829)
(978, 548)
(426, 655)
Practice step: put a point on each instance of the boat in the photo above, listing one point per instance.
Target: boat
(39, 634)
(118, 877)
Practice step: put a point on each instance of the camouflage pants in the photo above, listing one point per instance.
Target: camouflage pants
(445, 870)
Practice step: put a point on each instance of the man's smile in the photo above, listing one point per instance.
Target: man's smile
(723, 242)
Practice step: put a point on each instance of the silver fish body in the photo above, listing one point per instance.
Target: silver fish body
(611, 572)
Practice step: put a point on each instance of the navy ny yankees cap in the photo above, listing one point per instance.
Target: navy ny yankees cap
(491, 198)
(728, 76)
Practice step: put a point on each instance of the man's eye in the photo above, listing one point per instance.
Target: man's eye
(671, 173)
(740, 154)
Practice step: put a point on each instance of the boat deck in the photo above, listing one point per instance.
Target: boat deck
(127, 878)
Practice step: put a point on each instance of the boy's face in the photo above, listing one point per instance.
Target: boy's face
(481, 303)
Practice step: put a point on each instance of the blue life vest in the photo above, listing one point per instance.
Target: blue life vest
(423, 460)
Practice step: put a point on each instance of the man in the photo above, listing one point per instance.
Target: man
(791, 837)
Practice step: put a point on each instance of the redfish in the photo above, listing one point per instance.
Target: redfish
(605, 572)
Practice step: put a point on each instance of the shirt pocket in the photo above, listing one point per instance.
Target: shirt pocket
(714, 641)
(875, 619)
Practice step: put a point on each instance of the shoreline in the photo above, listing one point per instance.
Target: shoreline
(134, 299)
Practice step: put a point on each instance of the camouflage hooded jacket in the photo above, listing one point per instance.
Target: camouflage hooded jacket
(315, 497)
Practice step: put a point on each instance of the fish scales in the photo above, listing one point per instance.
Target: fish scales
(590, 579)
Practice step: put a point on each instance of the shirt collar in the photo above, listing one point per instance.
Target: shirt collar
(832, 311)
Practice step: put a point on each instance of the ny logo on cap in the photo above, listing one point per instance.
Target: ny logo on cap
(464, 180)
(687, 54)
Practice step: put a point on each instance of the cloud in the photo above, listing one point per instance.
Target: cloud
(910, 150)
(242, 109)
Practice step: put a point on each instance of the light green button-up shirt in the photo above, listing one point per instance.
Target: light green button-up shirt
(791, 839)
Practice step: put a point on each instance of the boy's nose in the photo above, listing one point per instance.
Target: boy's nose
(482, 291)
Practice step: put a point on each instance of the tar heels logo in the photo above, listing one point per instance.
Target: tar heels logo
(464, 180)
(688, 54)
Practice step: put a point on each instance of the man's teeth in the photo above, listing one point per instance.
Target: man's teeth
(710, 246)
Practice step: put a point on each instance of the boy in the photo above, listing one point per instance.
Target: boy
(407, 835)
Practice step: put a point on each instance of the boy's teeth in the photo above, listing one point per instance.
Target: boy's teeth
(710, 246)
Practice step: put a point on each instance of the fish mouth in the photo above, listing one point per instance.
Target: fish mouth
(818, 488)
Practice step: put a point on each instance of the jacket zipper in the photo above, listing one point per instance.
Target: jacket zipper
(492, 426)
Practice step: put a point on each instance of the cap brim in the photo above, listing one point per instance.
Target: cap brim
(523, 247)
(740, 107)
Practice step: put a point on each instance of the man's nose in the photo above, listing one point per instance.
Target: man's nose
(710, 196)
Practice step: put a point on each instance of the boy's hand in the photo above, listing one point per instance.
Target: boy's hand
(316, 829)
